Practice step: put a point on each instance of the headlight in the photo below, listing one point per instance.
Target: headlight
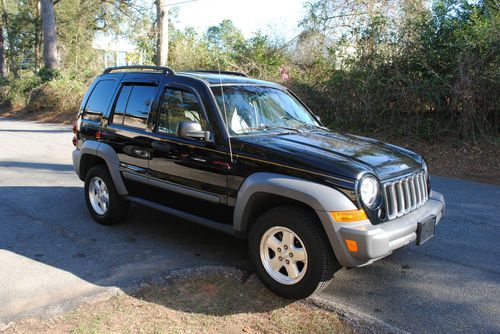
(368, 191)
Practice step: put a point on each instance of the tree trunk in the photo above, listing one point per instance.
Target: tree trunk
(2, 51)
(49, 34)
(162, 23)
(12, 65)
(3, 24)
(38, 37)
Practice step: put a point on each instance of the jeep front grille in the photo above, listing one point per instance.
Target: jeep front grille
(405, 195)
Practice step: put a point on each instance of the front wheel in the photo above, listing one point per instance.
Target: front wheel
(291, 253)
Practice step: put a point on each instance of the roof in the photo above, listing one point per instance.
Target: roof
(217, 79)
(212, 77)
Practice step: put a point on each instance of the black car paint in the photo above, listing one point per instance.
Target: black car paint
(322, 156)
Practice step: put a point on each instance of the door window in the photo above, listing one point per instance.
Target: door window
(179, 105)
(134, 105)
(121, 104)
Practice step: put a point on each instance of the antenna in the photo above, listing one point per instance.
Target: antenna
(224, 107)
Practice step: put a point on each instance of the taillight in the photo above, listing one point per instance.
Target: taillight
(75, 134)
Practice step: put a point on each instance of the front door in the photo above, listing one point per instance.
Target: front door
(188, 174)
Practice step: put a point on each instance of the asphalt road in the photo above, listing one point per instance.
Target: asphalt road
(52, 253)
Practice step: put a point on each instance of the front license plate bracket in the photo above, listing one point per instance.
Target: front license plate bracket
(426, 230)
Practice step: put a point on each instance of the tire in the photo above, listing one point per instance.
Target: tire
(99, 183)
(310, 243)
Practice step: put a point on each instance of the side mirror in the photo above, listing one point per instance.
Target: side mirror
(193, 130)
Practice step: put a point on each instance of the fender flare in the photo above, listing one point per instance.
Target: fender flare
(108, 154)
(317, 196)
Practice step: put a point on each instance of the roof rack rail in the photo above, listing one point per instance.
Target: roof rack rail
(163, 69)
(239, 74)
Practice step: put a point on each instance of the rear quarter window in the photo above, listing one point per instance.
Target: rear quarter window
(99, 100)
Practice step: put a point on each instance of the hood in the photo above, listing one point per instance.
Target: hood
(337, 154)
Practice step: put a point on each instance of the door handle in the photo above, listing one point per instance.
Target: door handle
(161, 146)
(142, 153)
(109, 135)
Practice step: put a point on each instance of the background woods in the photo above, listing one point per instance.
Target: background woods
(426, 70)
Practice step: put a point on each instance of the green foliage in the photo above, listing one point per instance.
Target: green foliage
(21, 22)
(400, 68)
(63, 94)
(417, 72)
(224, 46)
(48, 74)
(31, 87)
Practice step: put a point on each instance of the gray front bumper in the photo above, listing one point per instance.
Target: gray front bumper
(377, 241)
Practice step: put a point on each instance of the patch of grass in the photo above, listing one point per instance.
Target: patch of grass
(218, 302)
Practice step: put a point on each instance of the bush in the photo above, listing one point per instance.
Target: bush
(61, 95)
(48, 74)
(437, 77)
(15, 92)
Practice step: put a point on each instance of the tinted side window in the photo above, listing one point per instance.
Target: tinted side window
(179, 105)
(99, 100)
(139, 105)
(121, 104)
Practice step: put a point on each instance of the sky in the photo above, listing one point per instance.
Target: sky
(279, 17)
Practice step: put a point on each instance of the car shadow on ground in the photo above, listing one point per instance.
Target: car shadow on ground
(213, 291)
(51, 225)
(37, 131)
(37, 166)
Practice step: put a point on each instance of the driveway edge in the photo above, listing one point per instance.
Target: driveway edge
(360, 322)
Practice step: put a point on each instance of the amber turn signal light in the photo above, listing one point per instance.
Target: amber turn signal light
(348, 216)
(352, 245)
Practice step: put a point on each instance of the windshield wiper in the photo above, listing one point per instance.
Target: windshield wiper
(274, 127)
(312, 127)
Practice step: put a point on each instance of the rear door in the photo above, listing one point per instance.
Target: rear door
(128, 132)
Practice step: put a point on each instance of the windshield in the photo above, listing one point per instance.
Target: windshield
(253, 109)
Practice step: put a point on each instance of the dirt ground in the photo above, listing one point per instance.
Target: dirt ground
(474, 162)
(44, 116)
(214, 303)
(478, 162)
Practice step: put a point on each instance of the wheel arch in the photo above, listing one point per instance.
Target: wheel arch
(261, 202)
(93, 153)
(262, 191)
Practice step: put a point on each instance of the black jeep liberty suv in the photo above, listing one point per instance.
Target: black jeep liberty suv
(248, 158)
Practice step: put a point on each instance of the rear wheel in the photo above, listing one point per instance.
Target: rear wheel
(291, 253)
(103, 201)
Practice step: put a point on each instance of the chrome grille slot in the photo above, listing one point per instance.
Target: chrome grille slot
(405, 195)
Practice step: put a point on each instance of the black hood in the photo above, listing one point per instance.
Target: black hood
(337, 154)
